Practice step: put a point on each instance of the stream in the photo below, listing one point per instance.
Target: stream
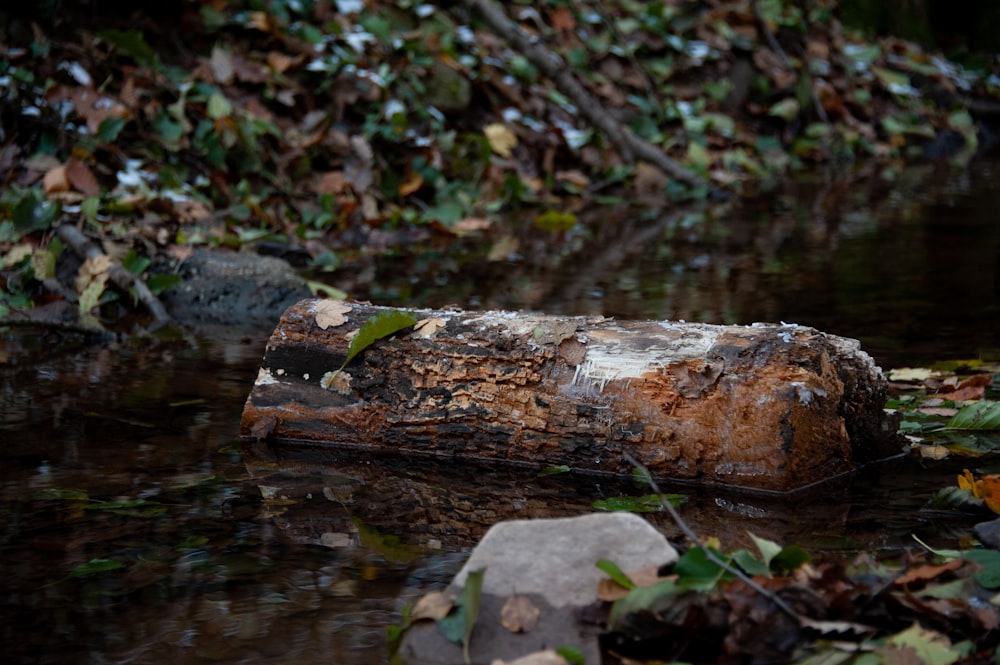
(136, 528)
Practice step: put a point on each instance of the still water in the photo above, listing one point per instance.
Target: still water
(135, 529)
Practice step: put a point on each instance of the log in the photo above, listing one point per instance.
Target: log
(765, 406)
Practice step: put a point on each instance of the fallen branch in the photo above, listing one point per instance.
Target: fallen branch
(629, 146)
(120, 277)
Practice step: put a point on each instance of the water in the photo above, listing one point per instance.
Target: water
(136, 529)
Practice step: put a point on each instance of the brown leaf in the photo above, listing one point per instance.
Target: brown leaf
(928, 572)
(435, 605)
(519, 614)
(331, 182)
(81, 177)
(221, 64)
(562, 19)
(331, 313)
(428, 327)
(55, 180)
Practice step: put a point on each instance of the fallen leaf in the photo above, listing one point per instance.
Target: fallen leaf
(331, 313)
(470, 224)
(428, 327)
(927, 572)
(56, 180)
(81, 177)
(547, 657)
(519, 614)
(502, 140)
(434, 605)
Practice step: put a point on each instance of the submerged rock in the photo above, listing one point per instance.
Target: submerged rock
(234, 290)
(549, 564)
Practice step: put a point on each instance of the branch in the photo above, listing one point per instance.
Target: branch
(629, 146)
(120, 277)
(693, 537)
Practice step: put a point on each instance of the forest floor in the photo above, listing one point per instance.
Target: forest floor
(321, 132)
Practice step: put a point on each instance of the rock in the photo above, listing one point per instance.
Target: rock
(552, 564)
(233, 290)
(988, 533)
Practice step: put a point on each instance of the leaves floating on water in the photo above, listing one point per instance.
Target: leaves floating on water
(95, 566)
(649, 503)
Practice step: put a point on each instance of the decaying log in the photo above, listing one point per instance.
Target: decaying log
(772, 407)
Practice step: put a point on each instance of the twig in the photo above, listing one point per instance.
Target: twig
(629, 146)
(709, 554)
(120, 277)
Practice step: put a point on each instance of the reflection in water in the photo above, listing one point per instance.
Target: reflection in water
(909, 263)
(135, 529)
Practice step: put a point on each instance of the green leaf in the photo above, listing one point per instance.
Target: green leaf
(571, 655)
(614, 572)
(787, 109)
(109, 129)
(95, 566)
(553, 470)
(132, 43)
(159, 283)
(554, 220)
(381, 325)
(750, 564)
(649, 503)
(791, 557)
(977, 416)
(457, 626)
(642, 598)
(134, 263)
(768, 548)
(930, 647)
(989, 576)
(697, 572)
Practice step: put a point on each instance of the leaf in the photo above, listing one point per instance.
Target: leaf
(434, 605)
(553, 470)
(457, 626)
(519, 614)
(330, 313)
(930, 647)
(614, 572)
(649, 503)
(642, 598)
(501, 139)
(978, 416)
(571, 655)
(768, 548)
(427, 328)
(989, 575)
(381, 325)
(786, 109)
(553, 220)
(95, 566)
(697, 572)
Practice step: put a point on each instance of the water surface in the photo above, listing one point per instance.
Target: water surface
(136, 529)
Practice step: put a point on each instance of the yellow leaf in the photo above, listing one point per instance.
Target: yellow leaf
(501, 139)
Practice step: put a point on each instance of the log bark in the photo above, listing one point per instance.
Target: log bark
(766, 406)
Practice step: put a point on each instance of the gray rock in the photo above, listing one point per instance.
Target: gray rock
(988, 533)
(552, 563)
(244, 291)
(555, 557)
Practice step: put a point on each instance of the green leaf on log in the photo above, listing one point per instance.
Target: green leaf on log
(381, 325)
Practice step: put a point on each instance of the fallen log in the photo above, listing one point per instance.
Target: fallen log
(765, 406)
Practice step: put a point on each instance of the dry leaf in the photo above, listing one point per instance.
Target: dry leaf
(435, 605)
(414, 182)
(519, 615)
(55, 180)
(469, 224)
(928, 572)
(331, 313)
(91, 269)
(428, 327)
(81, 177)
(501, 139)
